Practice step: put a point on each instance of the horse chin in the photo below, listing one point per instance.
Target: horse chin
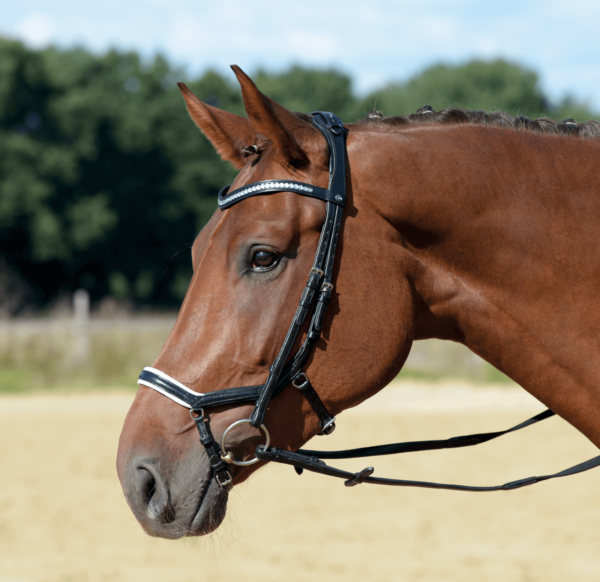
(212, 507)
(206, 515)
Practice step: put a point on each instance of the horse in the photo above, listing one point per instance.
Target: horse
(458, 225)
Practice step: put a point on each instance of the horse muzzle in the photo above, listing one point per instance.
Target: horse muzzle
(173, 499)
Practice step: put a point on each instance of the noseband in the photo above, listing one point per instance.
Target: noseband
(287, 370)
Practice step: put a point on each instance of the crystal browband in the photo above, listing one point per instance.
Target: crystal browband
(227, 199)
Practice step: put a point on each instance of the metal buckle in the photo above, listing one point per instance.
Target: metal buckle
(326, 287)
(199, 412)
(329, 427)
(226, 456)
(227, 481)
(304, 382)
(315, 270)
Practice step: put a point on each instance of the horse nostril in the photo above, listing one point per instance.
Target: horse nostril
(153, 493)
(148, 486)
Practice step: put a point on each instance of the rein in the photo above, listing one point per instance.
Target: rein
(286, 369)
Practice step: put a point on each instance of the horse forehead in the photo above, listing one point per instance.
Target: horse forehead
(279, 213)
(282, 210)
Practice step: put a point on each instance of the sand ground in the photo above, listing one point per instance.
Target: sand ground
(63, 516)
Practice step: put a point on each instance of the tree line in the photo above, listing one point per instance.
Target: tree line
(105, 181)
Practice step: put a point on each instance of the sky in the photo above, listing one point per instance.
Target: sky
(375, 42)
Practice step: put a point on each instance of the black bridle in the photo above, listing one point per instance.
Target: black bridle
(287, 370)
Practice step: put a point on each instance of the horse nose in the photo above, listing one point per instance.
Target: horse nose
(150, 494)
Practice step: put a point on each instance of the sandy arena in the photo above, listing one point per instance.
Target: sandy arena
(63, 516)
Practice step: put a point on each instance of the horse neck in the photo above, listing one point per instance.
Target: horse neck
(502, 226)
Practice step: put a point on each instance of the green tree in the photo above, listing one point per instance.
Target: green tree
(489, 86)
(104, 179)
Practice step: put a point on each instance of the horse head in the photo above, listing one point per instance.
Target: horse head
(250, 263)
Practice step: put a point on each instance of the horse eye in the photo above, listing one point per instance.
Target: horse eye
(264, 260)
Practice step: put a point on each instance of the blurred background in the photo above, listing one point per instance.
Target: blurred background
(105, 182)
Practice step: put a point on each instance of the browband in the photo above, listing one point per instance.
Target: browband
(227, 199)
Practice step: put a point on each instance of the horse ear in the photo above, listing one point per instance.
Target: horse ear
(228, 132)
(287, 131)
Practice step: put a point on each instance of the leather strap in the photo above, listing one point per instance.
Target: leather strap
(193, 400)
(311, 460)
(415, 446)
(213, 450)
(326, 421)
(302, 461)
(332, 128)
(174, 390)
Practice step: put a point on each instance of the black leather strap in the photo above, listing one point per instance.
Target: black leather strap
(212, 399)
(276, 370)
(196, 402)
(302, 461)
(311, 460)
(213, 450)
(411, 447)
(332, 128)
(326, 421)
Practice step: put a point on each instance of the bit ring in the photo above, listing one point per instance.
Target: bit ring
(226, 455)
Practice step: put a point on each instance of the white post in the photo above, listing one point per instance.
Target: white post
(81, 316)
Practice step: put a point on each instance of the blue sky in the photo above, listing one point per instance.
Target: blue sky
(375, 42)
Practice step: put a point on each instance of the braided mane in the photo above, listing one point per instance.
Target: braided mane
(455, 115)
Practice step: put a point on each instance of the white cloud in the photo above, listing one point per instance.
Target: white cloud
(36, 30)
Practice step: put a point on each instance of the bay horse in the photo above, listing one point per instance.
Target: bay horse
(464, 226)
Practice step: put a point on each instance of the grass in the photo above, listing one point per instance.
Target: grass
(487, 374)
(438, 361)
(53, 355)
(14, 381)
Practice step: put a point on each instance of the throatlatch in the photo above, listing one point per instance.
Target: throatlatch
(287, 370)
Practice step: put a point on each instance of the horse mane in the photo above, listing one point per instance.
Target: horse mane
(457, 115)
